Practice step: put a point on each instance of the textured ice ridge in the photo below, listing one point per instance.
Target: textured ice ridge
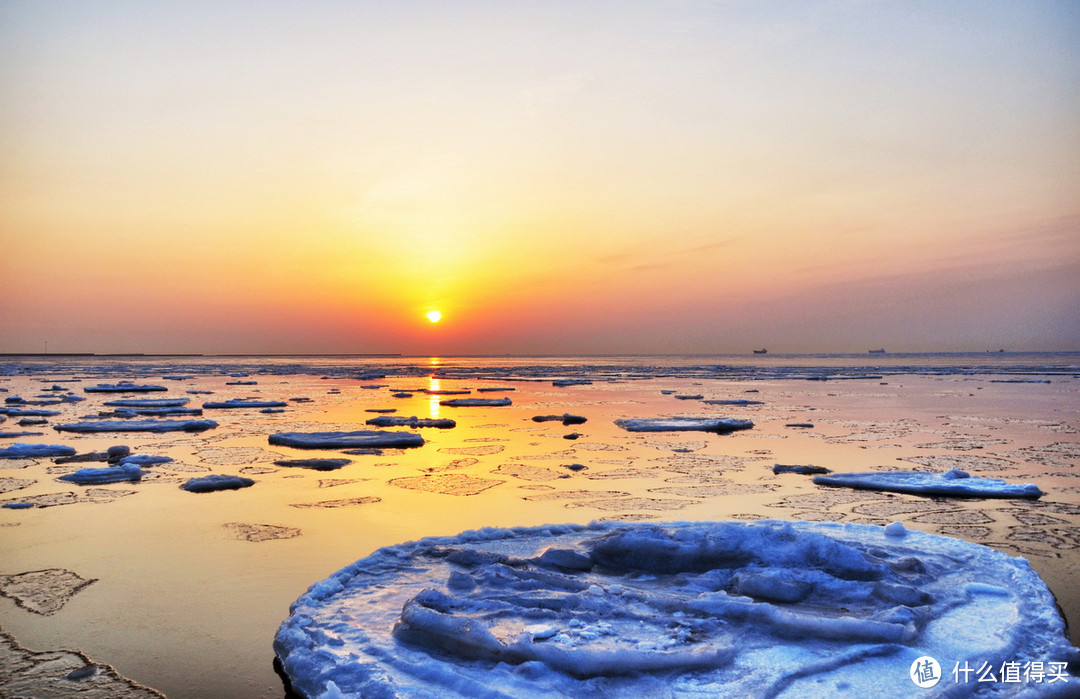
(717, 609)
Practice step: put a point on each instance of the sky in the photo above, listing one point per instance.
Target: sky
(687, 176)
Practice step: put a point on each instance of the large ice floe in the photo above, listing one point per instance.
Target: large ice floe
(137, 426)
(244, 403)
(19, 450)
(347, 440)
(413, 421)
(109, 474)
(954, 483)
(124, 387)
(148, 402)
(675, 424)
(703, 609)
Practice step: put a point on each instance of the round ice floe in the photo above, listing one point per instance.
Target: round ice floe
(717, 609)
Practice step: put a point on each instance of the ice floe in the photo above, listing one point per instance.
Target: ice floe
(475, 402)
(148, 402)
(43, 592)
(565, 418)
(62, 673)
(314, 464)
(124, 387)
(802, 469)
(109, 474)
(132, 412)
(137, 426)
(207, 484)
(414, 422)
(244, 403)
(717, 609)
(955, 483)
(347, 440)
(261, 532)
(19, 450)
(675, 424)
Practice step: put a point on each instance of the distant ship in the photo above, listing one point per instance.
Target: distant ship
(761, 351)
(877, 351)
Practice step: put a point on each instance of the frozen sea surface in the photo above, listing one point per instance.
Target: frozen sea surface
(246, 554)
(717, 609)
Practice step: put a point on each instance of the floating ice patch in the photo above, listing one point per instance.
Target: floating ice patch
(138, 426)
(145, 460)
(243, 403)
(717, 609)
(565, 418)
(100, 476)
(347, 440)
(315, 464)
(260, 532)
(207, 484)
(674, 424)
(953, 483)
(123, 387)
(802, 469)
(414, 422)
(148, 402)
(24, 451)
(476, 402)
(18, 412)
(43, 592)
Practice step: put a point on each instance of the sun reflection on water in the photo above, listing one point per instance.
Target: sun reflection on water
(434, 397)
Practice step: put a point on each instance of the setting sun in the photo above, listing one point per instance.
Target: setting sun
(434, 316)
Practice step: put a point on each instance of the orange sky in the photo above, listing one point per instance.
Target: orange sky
(590, 178)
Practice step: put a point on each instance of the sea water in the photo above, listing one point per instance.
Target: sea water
(190, 588)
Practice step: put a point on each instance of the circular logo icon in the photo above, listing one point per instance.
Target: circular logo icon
(925, 672)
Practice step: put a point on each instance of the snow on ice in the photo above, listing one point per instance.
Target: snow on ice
(207, 484)
(716, 609)
(123, 387)
(955, 483)
(19, 450)
(108, 474)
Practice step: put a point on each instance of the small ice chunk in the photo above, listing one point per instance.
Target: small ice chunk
(145, 460)
(206, 484)
(896, 529)
(315, 464)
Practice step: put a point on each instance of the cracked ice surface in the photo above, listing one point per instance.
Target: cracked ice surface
(717, 609)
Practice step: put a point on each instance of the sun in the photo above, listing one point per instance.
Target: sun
(434, 316)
